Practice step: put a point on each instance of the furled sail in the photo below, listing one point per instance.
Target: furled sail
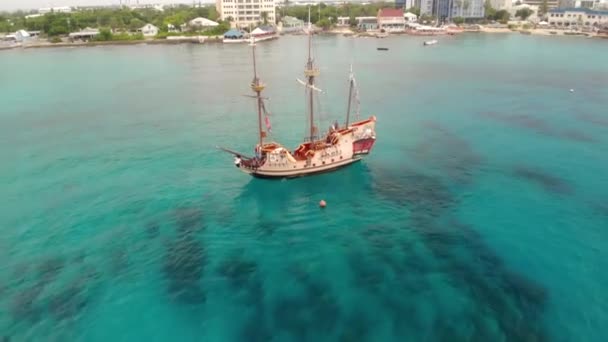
(309, 86)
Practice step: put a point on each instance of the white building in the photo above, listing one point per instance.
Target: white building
(410, 17)
(202, 23)
(601, 6)
(409, 4)
(21, 36)
(85, 34)
(466, 9)
(501, 4)
(171, 28)
(149, 30)
(426, 7)
(532, 18)
(580, 17)
(391, 20)
(245, 13)
(64, 9)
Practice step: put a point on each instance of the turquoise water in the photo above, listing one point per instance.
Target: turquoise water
(481, 215)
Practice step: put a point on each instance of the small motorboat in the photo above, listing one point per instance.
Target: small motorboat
(382, 49)
(430, 42)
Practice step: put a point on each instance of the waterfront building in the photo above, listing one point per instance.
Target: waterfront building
(86, 34)
(580, 17)
(426, 7)
(501, 4)
(472, 9)
(64, 9)
(551, 4)
(449, 9)
(202, 23)
(367, 23)
(410, 17)
(245, 13)
(291, 24)
(343, 21)
(601, 6)
(409, 4)
(22, 36)
(391, 20)
(591, 4)
(171, 28)
(149, 30)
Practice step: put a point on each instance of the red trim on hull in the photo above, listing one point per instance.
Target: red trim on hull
(363, 146)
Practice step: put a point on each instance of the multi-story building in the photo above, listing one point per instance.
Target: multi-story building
(501, 4)
(245, 13)
(405, 4)
(448, 9)
(471, 9)
(426, 6)
(601, 6)
(577, 17)
(551, 4)
(591, 4)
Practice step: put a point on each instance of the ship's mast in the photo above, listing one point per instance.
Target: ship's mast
(257, 86)
(350, 94)
(310, 72)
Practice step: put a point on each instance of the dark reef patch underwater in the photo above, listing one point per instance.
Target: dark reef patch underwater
(480, 215)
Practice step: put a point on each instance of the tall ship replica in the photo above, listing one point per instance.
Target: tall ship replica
(342, 145)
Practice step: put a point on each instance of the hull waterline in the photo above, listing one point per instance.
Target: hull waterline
(305, 174)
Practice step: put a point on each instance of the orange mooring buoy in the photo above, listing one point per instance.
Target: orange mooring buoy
(322, 204)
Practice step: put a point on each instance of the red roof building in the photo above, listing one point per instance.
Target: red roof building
(390, 13)
(391, 20)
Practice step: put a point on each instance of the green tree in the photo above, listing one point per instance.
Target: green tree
(502, 16)
(56, 25)
(426, 18)
(213, 15)
(543, 9)
(489, 10)
(104, 35)
(414, 10)
(458, 20)
(466, 4)
(136, 24)
(264, 17)
(524, 13)
(115, 23)
(324, 23)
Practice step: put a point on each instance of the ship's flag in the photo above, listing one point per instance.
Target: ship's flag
(268, 126)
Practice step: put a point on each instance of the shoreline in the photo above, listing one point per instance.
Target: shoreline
(185, 40)
(343, 32)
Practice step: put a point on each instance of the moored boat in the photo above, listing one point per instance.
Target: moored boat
(234, 36)
(264, 33)
(430, 42)
(340, 146)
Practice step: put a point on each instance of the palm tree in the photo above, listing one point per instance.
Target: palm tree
(264, 16)
(466, 5)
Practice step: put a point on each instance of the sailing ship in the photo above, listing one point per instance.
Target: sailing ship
(342, 145)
